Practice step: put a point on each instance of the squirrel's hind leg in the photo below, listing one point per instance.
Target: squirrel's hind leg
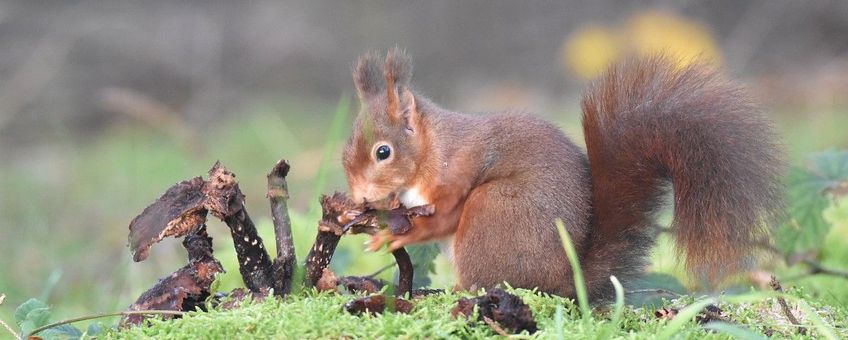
(504, 236)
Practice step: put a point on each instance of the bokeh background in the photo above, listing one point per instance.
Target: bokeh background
(105, 104)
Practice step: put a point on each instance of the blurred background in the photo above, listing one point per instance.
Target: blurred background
(105, 104)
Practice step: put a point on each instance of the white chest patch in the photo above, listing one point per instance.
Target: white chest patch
(412, 198)
(446, 247)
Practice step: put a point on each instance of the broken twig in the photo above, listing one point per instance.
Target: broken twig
(278, 194)
(785, 307)
(340, 216)
(329, 234)
(495, 327)
(405, 272)
(225, 201)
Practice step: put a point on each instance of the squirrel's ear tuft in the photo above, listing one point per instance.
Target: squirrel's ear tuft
(398, 68)
(368, 76)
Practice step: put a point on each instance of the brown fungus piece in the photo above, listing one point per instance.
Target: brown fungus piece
(666, 313)
(377, 304)
(185, 289)
(238, 296)
(223, 196)
(507, 310)
(361, 284)
(328, 281)
(177, 212)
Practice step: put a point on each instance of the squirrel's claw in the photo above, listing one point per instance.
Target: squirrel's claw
(385, 237)
(378, 240)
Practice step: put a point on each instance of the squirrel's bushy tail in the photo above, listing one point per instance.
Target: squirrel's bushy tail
(649, 122)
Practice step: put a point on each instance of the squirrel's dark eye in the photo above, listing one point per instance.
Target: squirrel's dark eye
(383, 152)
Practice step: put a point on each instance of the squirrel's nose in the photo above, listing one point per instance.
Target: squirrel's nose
(357, 196)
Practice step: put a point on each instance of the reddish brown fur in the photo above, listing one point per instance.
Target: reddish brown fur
(647, 123)
(499, 181)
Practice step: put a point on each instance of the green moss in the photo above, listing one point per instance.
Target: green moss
(320, 315)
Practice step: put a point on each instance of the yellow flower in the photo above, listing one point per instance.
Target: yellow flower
(589, 51)
(655, 31)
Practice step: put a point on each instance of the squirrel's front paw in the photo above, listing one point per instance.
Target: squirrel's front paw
(379, 239)
(394, 241)
(399, 220)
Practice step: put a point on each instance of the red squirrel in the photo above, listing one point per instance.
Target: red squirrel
(499, 181)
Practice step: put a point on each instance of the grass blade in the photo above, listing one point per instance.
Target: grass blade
(334, 136)
(619, 302)
(577, 272)
(685, 315)
(50, 284)
(735, 331)
(822, 327)
(559, 321)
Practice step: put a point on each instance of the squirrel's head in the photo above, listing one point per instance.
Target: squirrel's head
(383, 152)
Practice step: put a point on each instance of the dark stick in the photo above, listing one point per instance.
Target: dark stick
(783, 305)
(225, 200)
(331, 228)
(381, 270)
(817, 268)
(320, 255)
(254, 264)
(790, 259)
(495, 327)
(98, 316)
(405, 272)
(329, 234)
(278, 194)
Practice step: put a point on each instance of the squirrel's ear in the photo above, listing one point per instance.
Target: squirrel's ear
(408, 110)
(367, 76)
(397, 71)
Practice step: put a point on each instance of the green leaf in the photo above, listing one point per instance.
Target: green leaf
(649, 290)
(25, 308)
(837, 213)
(807, 195)
(94, 329)
(35, 318)
(61, 332)
(335, 134)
